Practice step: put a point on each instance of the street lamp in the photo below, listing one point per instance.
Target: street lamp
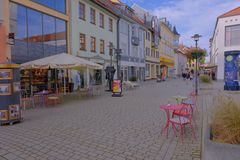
(196, 39)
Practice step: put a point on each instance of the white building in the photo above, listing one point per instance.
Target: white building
(226, 39)
(180, 59)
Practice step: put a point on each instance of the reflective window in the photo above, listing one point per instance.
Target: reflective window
(232, 35)
(18, 25)
(61, 36)
(35, 34)
(59, 5)
(49, 36)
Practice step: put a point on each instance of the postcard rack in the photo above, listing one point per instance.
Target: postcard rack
(10, 111)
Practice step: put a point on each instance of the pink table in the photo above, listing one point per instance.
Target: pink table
(167, 108)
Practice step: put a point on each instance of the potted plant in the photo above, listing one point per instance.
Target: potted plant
(222, 139)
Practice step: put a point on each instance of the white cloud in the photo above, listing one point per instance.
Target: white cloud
(195, 16)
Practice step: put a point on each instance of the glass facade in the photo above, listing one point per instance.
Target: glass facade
(58, 5)
(37, 34)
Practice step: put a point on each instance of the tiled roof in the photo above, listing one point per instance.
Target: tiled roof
(182, 49)
(233, 12)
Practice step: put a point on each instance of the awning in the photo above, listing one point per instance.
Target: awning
(164, 60)
(61, 61)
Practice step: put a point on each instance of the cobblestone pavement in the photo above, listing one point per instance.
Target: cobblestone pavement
(103, 128)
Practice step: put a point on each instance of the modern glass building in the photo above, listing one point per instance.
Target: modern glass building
(40, 28)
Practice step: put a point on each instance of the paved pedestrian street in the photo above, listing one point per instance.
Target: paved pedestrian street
(104, 128)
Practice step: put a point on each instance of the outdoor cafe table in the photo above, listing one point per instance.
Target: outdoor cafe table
(43, 94)
(168, 108)
(180, 98)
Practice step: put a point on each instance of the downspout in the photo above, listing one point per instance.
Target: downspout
(118, 47)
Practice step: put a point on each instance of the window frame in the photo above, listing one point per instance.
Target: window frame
(84, 44)
(84, 11)
(110, 23)
(101, 21)
(93, 48)
(102, 46)
(94, 16)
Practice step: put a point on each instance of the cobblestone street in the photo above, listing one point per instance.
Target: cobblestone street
(104, 128)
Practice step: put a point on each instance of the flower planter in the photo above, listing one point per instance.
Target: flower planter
(219, 151)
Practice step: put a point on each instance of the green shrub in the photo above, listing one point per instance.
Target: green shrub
(205, 78)
(226, 121)
(133, 79)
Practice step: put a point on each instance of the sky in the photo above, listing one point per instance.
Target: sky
(189, 16)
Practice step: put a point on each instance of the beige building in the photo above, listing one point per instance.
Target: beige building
(169, 41)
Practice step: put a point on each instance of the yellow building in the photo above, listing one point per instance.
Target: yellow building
(169, 41)
(151, 57)
(39, 29)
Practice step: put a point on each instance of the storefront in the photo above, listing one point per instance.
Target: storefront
(166, 67)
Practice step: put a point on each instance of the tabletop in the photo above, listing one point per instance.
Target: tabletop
(44, 92)
(171, 106)
(180, 97)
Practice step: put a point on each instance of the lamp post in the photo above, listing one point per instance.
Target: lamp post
(196, 39)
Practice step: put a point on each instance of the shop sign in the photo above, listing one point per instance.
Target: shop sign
(117, 88)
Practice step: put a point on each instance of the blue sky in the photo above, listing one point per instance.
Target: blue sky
(189, 16)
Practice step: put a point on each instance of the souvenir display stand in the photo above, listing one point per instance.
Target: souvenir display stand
(10, 87)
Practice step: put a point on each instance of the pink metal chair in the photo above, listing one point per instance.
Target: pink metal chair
(182, 121)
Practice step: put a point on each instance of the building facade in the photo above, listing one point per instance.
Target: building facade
(180, 60)
(152, 42)
(131, 41)
(94, 36)
(169, 41)
(226, 40)
(34, 29)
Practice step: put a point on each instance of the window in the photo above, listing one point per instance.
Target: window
(152, 53)
(102, 46)
(110, 24)
(82, 42)
(232, 35)
(147, 73)
(101, 20)
(58, 5)
(110, 48)
(157, 54)
(147, 51)
(93, 44)
(148, 36)
(92, 16)
(37, 34)
(81, 11)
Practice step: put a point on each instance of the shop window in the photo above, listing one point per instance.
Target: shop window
(58, 5)
(49, 36)
(98, 77)
(61, 36)
(35, 32)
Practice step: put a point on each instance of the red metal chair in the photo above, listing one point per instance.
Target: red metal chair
(182, 121)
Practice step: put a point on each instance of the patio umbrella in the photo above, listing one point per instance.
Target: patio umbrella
(61, 61)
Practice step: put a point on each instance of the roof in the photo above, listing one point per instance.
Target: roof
(175, 31)
(182, 49)
(234, 12)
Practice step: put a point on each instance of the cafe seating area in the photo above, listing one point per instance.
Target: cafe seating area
(179, 115)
